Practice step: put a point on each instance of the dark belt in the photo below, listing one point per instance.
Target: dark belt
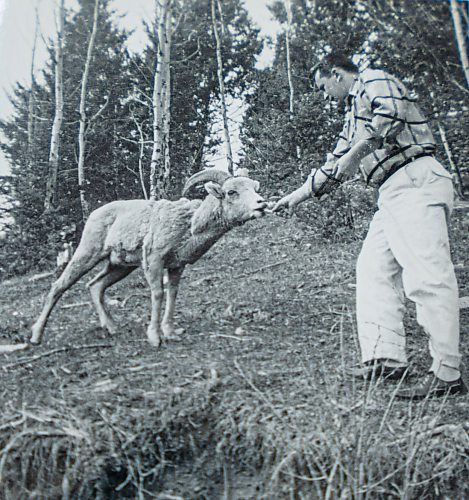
(395, 168)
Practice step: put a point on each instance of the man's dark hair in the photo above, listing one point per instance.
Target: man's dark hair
(336, 60)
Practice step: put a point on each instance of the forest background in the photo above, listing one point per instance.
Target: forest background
(99, 141)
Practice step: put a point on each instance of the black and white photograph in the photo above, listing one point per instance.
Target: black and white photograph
(234, 249)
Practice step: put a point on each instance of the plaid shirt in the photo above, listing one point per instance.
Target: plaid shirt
(379, 106)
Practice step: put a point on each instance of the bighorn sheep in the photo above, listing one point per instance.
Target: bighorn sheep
(157, 235)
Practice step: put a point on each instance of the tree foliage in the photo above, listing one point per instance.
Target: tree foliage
(410, 39)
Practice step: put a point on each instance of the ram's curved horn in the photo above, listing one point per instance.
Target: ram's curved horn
(209, 174)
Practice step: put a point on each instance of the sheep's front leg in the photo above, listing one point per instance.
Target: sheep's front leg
(167, 326)
(154, 274)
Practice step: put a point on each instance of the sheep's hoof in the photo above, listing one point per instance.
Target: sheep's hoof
(110, 327)
(154, 340)
(173, 334)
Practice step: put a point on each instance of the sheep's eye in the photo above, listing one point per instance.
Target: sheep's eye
(231, 193)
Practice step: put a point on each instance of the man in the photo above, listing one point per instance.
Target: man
(406, 249)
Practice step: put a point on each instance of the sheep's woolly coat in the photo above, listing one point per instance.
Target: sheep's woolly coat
(177, 232)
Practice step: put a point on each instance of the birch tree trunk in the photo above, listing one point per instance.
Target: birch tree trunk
(461, 37)
(221, 85)
(287, 50)
(291, 87)
(51, 186)
(83, 119)
(160, 159)
(141, 146)
(458, 182)
(31, 98)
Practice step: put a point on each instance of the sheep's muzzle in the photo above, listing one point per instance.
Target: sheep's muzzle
(259, 211)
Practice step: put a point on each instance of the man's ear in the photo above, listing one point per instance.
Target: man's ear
(215, 190)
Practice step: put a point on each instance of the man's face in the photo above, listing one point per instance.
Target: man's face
(335, 85)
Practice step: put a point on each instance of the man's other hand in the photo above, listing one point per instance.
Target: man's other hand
(291, 200)
(343, 168)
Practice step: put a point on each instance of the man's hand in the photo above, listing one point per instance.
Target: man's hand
(345, 167)
(287, 202)
(291, 200)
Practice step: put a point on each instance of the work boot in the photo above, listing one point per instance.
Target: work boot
(433, 387)
(378, 368)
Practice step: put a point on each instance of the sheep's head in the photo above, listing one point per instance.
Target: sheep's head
(238, 196)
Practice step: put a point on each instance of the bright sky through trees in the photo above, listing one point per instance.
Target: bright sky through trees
(17, 22)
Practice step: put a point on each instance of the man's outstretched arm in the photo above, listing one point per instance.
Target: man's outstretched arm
(319, 182)
(296, 197)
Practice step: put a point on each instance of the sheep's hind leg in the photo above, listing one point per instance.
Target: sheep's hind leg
(167, 325)
(154, 269)
(109, 275)
(82, 262)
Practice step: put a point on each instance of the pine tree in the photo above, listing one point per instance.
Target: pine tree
(107, 157)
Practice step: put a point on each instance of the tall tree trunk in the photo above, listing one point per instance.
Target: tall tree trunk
(221, 85)
(141, 146)
(167, 105)
(160, 159)
(461, 37)
(31, 97)
(51, 186)
(457, 178)
(291, 87)
(287, 50)
(83, 119)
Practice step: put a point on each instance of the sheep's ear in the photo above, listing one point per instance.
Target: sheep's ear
(215, 190)
(257, 186)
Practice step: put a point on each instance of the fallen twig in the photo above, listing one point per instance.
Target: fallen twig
(136, 294)
(76, 304)
(31, 359)
(14, 423)
(41, 276)
(143, 367)
(260, 269)
(229, 336)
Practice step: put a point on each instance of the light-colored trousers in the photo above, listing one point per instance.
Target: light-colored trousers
(407, 251)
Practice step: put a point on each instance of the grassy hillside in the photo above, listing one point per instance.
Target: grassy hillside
(253, 402)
